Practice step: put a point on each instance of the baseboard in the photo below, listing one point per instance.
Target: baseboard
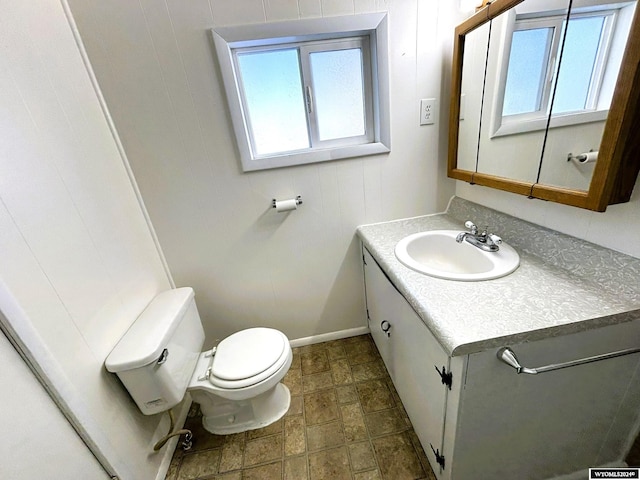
(170, 446)
(325, 337)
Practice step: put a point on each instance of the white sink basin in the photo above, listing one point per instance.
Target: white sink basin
(436, 253)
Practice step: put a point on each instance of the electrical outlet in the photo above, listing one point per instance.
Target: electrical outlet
(428, 107)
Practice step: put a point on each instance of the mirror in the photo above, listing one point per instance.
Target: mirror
(474, 67)
(509, 146)
(570, 139)
(508, 141)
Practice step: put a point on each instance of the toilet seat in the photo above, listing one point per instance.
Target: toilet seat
(248, 357)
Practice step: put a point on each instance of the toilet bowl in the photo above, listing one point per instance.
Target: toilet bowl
(237, 383)
(238, 386)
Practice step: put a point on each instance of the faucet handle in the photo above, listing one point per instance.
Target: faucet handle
(495, 239)
(471, 226)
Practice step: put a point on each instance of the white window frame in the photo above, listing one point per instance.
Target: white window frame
(534, 121)
(309, 34)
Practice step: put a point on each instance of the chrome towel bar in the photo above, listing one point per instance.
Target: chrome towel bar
(506, 355)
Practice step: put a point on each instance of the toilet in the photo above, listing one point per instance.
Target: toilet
(237, 383)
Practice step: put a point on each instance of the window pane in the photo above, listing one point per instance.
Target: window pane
(527, 70)
(338, 92)
(274, 100)
(578, 61)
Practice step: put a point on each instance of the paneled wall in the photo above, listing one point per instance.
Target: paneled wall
(78, 258)
(27, 412)
(301, 271)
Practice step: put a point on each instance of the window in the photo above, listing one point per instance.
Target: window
(308, 90)
(530, 81)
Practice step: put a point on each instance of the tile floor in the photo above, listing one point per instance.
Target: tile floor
(346, 421)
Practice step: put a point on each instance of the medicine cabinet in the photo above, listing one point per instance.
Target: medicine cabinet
(582, 98)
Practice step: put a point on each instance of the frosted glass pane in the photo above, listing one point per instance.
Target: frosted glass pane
(527, 70)
(274, 100)
(338, 92)
(578, 60)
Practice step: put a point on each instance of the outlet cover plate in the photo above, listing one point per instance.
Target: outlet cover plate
(428, 111)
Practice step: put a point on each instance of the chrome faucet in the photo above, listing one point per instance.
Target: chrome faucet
(484, 240)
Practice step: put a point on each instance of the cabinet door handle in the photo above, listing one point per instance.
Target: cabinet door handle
(386, 326)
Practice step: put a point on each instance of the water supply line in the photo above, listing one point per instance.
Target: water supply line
(186, 444)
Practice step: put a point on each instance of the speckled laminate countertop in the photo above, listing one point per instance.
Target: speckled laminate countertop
(563, 284)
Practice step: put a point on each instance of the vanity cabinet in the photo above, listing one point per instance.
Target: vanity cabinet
(486, 420)
(412, 356)
(554, 423)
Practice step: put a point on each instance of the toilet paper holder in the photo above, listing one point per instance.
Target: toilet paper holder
(586, 157)
(298, 200)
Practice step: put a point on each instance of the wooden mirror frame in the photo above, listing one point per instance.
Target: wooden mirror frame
(618, 164)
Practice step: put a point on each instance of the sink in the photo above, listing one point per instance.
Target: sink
(436, 253)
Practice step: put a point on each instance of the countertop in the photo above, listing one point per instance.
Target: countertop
(563, 284)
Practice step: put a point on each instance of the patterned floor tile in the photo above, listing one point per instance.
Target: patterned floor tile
(345, 421)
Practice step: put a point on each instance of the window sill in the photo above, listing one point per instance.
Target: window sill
(532, 125)
(302, 158)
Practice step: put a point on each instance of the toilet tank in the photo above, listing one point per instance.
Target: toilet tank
(156, 357)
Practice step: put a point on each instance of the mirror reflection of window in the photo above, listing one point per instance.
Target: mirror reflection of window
(583, 63)
(586, 60)
(590, 54)
(526, 75)
(536, 43)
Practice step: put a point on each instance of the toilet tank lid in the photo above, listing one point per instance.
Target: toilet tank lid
(149, 334)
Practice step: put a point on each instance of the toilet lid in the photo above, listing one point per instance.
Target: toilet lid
(247, 353)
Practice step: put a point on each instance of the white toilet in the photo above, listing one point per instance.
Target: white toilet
(237, 383)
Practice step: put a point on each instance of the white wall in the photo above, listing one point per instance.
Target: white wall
(299, 272)
(77, 254)
(26, 410)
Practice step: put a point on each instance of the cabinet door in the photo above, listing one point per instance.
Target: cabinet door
(411, 354)
(416, 355)
(554, 423)
(381, 298)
